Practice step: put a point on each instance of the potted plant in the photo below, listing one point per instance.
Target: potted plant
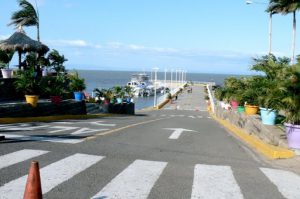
(291, 105)
(270, 99)
(28, 83)
(251, 93)
(5, 58)
(56, 87)
(77, 85)
(169, 97)
(118, 93)
(129, 92)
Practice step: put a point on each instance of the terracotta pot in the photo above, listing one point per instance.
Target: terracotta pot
(32, 99)
(251, 109)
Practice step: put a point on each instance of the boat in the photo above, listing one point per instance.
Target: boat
(141, 85)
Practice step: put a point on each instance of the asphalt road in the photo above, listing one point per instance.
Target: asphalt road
(176, 152)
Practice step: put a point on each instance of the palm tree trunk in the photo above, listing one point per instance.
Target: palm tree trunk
(270, 33)
(294, 38)
(38, 31)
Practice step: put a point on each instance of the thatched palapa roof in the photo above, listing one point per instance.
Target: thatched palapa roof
(20, 42)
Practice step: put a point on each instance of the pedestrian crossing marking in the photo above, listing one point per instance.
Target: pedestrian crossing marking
(135, 182)
(43, 139)
(287, 182)
(212, 182)
(26, 127)
(87, 130)
(100, 123)
(62, 128)
(19, 156)
(51, 175)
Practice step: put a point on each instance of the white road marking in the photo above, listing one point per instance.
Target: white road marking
(288, 183)
(19, 156)
(86, 130)
(212, 182)
(43, 139)
(200, 117)
(99, 123)
(209, 117)
(177, 132)
(62, 128)
(135, 182)
(191, 116)
(24, 127)
(63, 122)
(51, 175)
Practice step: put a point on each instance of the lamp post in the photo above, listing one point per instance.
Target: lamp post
(270, 23)
(171, 80)
(165, 81)
(155, 79)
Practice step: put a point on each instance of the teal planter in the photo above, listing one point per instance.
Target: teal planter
(119, 100)
(268, 116)
(78, 96)
(240, 109)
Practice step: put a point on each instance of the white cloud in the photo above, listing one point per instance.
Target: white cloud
(79, 43)
(2, 37)
(136, 47)
(114, 45)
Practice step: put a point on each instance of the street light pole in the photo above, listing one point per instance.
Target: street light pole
(165, 81)
(270, 23)
(155, 79)
(171, 80)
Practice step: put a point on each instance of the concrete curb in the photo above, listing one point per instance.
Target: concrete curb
(269, 151)
(50, 118)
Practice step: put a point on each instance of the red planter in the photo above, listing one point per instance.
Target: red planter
(55, 99)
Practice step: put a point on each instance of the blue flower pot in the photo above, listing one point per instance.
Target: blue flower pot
(268, 116)
(78, 96)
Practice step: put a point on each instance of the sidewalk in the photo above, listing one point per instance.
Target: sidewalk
(189, 101)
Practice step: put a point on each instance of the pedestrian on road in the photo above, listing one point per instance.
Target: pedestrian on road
(176, 97)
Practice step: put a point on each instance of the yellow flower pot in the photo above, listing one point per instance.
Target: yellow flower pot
(251, 110)
(32, 99)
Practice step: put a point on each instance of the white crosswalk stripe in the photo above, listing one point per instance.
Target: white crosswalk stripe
(138, 179)
(287, 182)
(135, 182)
(19, 156)
(42, 138)
(212, 182)
(51, 175)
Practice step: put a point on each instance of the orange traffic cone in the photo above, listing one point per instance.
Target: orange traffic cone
(33, 188)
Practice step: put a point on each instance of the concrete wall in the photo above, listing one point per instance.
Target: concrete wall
(67, 107)
(253, 125)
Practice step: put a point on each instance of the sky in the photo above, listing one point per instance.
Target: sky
(200, 36)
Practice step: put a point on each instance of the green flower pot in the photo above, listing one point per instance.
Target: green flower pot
(241, 109)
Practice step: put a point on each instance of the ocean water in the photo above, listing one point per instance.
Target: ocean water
(107, 79)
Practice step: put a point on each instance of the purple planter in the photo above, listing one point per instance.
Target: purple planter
(293, 135)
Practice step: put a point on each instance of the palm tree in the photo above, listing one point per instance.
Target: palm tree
(27, 16)
(285, 7)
